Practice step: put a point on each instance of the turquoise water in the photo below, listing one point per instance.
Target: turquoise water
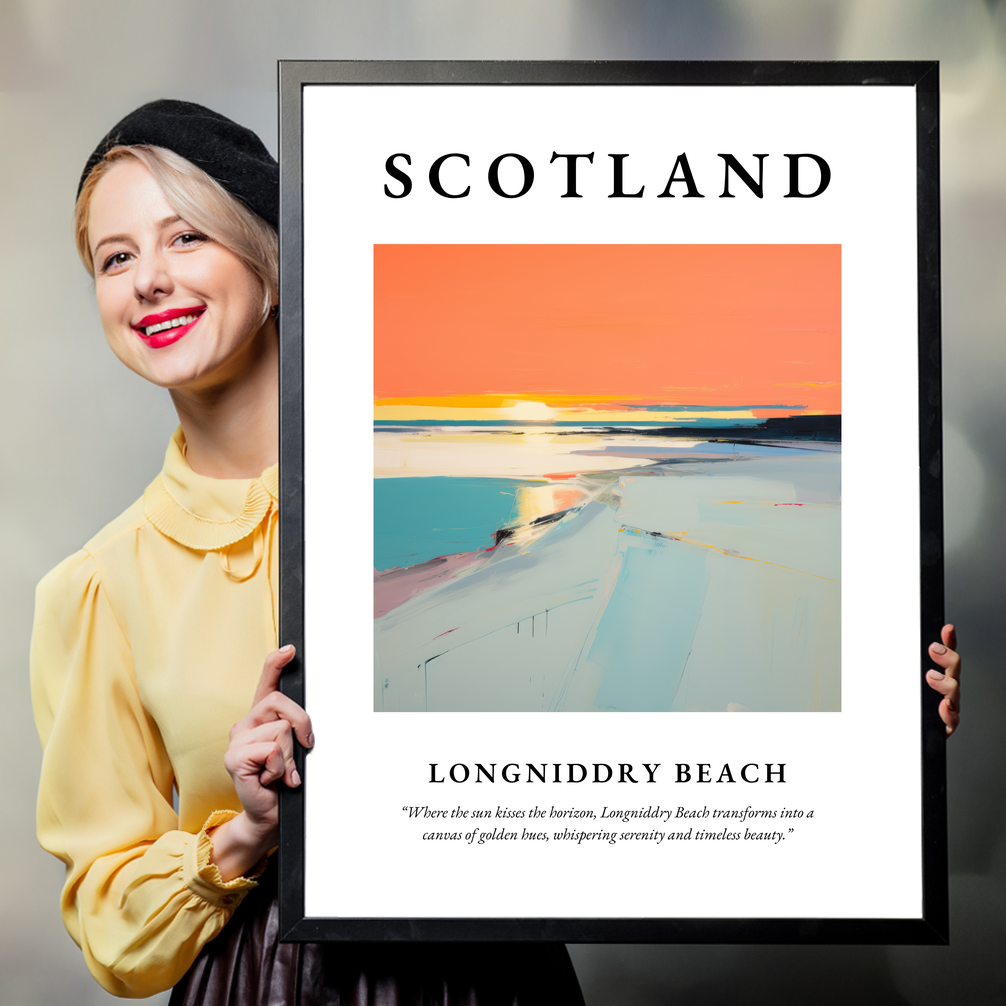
(416, 519)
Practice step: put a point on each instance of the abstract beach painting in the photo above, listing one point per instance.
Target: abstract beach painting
(607, 478)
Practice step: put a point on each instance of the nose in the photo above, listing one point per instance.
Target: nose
(152, 277)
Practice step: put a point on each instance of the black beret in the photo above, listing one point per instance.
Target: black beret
(231, 154)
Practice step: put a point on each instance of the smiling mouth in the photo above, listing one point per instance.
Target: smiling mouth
(165, 325)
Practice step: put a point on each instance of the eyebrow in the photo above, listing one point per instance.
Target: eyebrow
(111, 238)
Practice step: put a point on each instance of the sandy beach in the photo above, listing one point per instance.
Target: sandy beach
(684, 575)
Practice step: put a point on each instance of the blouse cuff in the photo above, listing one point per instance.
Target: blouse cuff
(202, 876)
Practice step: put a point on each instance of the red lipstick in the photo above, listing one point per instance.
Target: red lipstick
(165, 333)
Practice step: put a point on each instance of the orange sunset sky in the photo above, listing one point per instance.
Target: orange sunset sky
(600, 331)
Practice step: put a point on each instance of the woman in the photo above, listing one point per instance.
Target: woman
(149, 642)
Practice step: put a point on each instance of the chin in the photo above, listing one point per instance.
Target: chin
(170, 374)
(195, 365)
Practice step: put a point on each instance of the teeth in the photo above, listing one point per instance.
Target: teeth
(173, 323)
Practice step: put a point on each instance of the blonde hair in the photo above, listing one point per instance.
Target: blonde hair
(199, 200)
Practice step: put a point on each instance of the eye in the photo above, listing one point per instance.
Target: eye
(189, 239)
(115, 261)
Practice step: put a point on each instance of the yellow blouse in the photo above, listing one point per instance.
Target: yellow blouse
(147, 647)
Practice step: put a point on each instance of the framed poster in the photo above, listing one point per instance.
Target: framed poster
(610, 411)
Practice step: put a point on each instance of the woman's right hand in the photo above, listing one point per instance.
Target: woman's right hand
(260, 753)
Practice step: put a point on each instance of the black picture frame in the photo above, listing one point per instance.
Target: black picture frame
(932, 925)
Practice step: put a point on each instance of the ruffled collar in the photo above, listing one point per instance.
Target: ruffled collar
(203, 513)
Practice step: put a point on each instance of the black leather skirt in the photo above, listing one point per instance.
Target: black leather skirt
(246, 965)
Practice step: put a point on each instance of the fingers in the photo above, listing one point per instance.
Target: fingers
(949, 636)
(951, 717)
(270, 703)
(271, 671)
(280, 763)
(949, 713)
(948, 660)
(265, 751)
(277, 706)
(262, 761)
(947, 681)
(271, 758)
(261, 749)
(945, 655)
(949, 687)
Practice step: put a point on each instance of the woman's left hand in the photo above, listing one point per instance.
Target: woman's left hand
(948, 681)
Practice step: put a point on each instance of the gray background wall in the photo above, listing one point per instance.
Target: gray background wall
(82, 436)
